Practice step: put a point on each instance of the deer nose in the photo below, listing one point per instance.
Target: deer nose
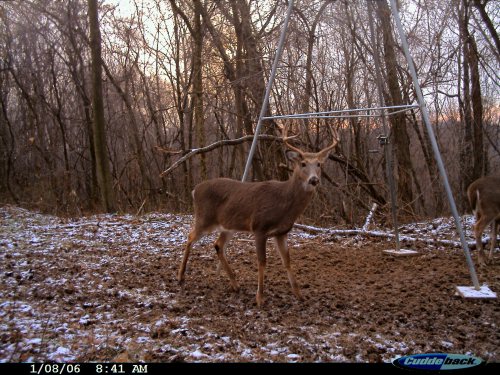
(314, 181)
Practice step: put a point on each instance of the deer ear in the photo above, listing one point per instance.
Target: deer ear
(293, 156)
(322, 156)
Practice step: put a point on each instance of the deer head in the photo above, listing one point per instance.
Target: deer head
(307, 165)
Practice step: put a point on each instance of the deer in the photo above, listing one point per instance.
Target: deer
(268, 209)
(484, 198)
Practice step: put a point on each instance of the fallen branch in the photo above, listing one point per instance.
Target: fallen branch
(366, 225)
(369, 217)
(213, 146)
(371, 233)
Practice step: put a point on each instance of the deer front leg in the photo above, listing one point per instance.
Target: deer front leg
(260, 246)
(220, 246)
(194, 236)
(494, 232)
(281, 243)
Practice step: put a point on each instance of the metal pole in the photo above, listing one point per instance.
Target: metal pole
(263, 110)
(437, 154)
(386, 144)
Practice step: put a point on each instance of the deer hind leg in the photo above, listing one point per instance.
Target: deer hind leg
(220, 246)
(479, 227)
(281, 243)
(194, 236)
(260, 245)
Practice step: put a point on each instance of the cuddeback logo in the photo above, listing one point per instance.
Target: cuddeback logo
(437, 361)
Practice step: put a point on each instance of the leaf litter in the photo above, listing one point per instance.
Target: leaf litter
(103, 288)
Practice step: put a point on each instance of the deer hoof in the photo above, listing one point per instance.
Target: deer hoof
(180, 279)
(236, 288)
(297, 294)
(260, 300)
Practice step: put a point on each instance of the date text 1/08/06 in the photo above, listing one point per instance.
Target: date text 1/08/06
(83, 369)
(54, 368)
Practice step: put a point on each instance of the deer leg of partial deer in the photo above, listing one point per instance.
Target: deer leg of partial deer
(194, 236)
(281, 243)
(220, 246)
(493, 237)
(260, 245)
(478, 233)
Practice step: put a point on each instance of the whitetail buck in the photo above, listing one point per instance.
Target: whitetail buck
(484, 198)
(267, 209)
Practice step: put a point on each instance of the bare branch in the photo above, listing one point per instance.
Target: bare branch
(213, 146)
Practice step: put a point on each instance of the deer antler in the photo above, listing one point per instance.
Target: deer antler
(286, 138)
(333, 144)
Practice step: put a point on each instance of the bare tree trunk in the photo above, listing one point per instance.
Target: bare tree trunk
(311, 37)
(8, 143)
(102, 161)
(146, 181)
(400, 136)
(76, 66)
(466, 170)
(472, 151)
(477, 110)
(196, 31)
(181, 100)
(198, 82)
(481, 7)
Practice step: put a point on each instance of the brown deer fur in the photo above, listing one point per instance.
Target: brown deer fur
(484, 198)
(266, 209)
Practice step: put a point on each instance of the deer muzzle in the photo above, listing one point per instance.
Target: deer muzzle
(313, 181)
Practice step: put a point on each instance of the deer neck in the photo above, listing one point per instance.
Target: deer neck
(297, 195)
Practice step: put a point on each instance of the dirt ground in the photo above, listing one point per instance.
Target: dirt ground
(104, 288)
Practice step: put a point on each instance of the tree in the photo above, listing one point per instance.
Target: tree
(99, 128)
(481, 7)
(400, 137)
(186, 76)
(472, 156)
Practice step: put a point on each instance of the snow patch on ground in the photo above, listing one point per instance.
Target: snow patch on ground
(36, 283)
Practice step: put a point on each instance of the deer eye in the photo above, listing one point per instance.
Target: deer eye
(319, 164)
(303, 164)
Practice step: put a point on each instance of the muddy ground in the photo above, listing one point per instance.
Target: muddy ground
(103, 288)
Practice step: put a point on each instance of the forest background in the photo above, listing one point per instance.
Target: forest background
(98, 99)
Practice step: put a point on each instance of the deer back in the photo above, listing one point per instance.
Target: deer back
(484, 196)
(269, 207)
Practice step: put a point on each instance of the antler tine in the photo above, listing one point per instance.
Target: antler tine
(286, 138)
(332, 145)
